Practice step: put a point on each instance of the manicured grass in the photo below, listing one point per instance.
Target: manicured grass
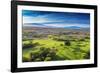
(76, 51)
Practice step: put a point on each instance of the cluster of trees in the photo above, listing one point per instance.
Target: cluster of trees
(50, 54)
(42, 54)
(29, 45)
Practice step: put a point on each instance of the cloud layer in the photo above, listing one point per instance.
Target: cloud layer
(55, 19)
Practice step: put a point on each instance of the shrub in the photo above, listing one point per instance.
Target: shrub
(87, 56)
(44, 52)
(37, 59)
(30, 45)
(67, 42)
(27, 45)
(82, 39)
(34, 55)
(61, 44)
(87, 37)
(77, 49)
(52, 53)
(35, 44)
(25, 59)
(24, 39)
(50, 36)
(47, 58)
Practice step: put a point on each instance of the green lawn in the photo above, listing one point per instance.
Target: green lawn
(76, 51)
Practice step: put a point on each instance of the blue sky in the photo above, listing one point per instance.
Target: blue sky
(55, 19)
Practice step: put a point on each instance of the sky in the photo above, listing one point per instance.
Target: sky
(55, 19)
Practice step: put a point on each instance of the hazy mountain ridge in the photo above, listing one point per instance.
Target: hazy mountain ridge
(39, 25)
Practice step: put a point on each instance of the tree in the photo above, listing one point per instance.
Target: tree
(87, 56)
(28, 45)
(67, 42)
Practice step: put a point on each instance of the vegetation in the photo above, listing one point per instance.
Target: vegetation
(56, 47)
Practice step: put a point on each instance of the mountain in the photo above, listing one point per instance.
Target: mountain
(76, 27)
(73, 27)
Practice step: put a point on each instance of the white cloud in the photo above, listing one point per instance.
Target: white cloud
(28, 19)
(42, 19)
(37, 19)
(66, 25)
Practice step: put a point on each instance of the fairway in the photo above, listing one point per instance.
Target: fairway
(77, 50)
